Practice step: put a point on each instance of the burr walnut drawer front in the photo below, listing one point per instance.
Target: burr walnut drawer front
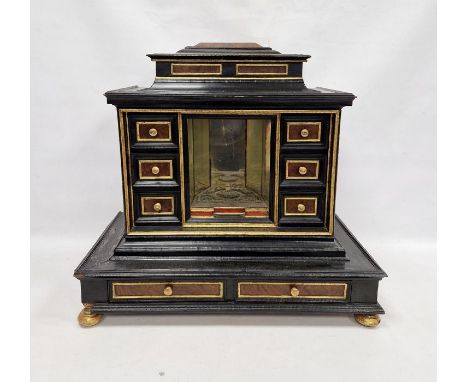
(153, 131)
(300, 206)
(157, 205)
(302, 169)
(293, 290)
(304, 132)
(155, 169)
(167, 290)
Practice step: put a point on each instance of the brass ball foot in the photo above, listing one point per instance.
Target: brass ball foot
(368, 320)
(87, 319)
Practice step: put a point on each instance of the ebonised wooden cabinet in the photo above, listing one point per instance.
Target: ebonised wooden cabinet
(229, 166)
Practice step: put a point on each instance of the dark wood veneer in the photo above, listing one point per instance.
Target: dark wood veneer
(156, 169)
(262, 69)
(196, 69)
(293, 205)
(284, 290)
(153, 131)
(295, 132)
(149, 290)
(166, 205)
(294, 168)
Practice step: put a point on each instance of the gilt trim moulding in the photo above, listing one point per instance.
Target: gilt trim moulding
(218, 71)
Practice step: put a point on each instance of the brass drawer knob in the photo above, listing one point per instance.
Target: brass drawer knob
(294, 291)
(302, 170)
(304, 133)
(167, 291)
(155, 170)
(300, 207)
(153, 132)
(157, 207)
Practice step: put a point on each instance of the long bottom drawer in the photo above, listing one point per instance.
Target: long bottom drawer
(167, 290)
(293, 290)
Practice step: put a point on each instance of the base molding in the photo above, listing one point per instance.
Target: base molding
(290, 283)
(234, 307)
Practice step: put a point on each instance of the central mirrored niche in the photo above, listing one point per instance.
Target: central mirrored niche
(229, 168)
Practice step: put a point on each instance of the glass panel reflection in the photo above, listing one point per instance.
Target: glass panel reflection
(229, 167)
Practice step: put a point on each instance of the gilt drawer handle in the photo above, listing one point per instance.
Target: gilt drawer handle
(301, 207)
(157, 207)
(167, 291)
(155, 170)
(294, 291)
(304, 133)
(153, 132)
(302, 170)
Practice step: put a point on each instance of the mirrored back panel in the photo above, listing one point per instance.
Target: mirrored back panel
(229, 168)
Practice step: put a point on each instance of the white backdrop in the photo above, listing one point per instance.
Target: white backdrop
(382, 51)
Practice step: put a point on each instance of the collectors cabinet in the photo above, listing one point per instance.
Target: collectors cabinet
(229, 168)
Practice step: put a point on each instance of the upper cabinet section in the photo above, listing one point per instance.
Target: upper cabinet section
(229, 61)
(224, 75)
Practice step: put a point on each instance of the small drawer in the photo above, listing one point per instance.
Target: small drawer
(153, 131)
(157, 205)
(304, 132)
(300, 206)
(293, 290)
(196, 69)
(167, 290)
(150, 169)
(262, 69)
(302, 169)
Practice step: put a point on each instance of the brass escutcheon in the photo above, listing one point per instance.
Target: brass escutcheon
(294, 291)
(304, 133)
(153, 132)
(155, 170)
(302, 170)
(157, 207)
(301, 207)
(167, 291)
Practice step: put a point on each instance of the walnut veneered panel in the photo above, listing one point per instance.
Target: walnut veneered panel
(304, 132)
(335, 291)
(157, 205)
(152, 290)
(302, 169)
(262, 69)
(155, 169)
(153, 131)
(300, 206)
(196, 69)
(227, 45)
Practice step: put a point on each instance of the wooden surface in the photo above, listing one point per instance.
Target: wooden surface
(101, 267)
(227, 45)
(293, 169)
(165, 168)
(321, 291)
(246, 69)
(194, 69)
(156, 290)
(162, 129)
(294, 132)
(167, 205)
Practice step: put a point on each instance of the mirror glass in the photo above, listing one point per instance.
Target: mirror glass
(229, 167)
